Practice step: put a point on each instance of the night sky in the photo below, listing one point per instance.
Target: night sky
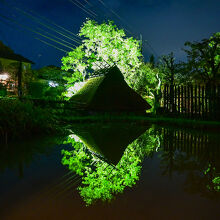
(164, 24)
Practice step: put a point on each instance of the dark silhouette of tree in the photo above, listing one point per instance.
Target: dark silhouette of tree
(152, 60)
(169, 69)
(1, 67)
(204, 59)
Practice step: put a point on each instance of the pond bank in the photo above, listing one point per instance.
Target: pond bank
(165, 121)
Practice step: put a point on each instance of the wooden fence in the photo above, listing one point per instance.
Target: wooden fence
(197, 101)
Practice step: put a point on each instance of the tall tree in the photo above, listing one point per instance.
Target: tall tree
(103, 44)
(204, 58)
(169, 69)
(147, 82)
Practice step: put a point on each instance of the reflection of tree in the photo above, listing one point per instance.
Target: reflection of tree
(17, 156)
(168, 157)
(197, 160)
(101, 180)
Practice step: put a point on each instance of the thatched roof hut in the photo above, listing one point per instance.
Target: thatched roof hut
(110, 93)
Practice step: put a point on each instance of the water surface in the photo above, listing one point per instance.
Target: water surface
(113, 171)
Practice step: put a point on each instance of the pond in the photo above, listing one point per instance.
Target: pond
(113, 171)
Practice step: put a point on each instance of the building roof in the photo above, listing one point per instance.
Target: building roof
(7, 53)
(110, 93)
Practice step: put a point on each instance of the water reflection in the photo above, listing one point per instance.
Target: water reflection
(176, 171)
(196, 155)
(109, 159)
(17, 156)
(106, 162)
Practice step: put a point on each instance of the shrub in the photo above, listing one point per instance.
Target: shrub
(19, 119)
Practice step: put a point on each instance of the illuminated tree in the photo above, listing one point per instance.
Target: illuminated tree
(147, 82)
(103, 44)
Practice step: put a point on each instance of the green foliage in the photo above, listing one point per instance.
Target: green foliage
(147, 82)
(204, 58)
(101, 180)
(52, 73)
(216, 182)
(37, 89)
(168, 69)
(103, 43)
(215, 178)
(49, 84)
(3, 90)
(20, 119)
(42, 90)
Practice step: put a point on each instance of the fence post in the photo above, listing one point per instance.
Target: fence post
(199, 103)
(206, 102)
(189, 109)
(203, 102)
(182, 106)
(172, 107)
(165, 96)
(175, 95)
(191, 88)
(195, 98)
(178, 99)
(185, 112)
(214, 102)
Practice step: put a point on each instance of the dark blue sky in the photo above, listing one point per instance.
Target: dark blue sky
(165, 24)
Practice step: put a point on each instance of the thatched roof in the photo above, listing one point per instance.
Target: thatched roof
(110, 93)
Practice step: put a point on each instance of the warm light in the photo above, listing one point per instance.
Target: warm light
(4, 76)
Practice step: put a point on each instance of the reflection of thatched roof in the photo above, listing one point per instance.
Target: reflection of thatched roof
(110, 93)
(110, 140)
(7, 53)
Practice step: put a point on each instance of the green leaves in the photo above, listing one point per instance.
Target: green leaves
(103, 43)
(203, 58)
(101, 180)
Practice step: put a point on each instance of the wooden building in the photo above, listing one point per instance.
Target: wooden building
(15, 71)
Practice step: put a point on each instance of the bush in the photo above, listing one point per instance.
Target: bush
(37, 89)
(3, 90)
(54, 92)
(19, 119)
